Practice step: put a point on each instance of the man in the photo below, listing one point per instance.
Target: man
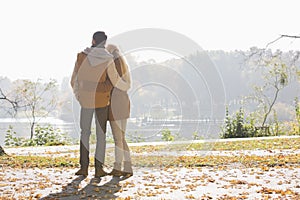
(92, 79)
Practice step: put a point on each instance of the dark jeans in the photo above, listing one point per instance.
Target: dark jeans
(86, 116)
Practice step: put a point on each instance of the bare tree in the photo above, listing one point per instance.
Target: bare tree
(39, 98)
(14, 105)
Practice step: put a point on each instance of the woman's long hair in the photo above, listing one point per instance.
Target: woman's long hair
(120, 60)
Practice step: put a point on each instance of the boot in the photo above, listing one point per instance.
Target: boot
(84, 160)
(82, 172)
(99, 172)
(127, 172)
(116, 170)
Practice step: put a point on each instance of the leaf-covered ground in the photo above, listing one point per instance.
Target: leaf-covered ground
(240, 169)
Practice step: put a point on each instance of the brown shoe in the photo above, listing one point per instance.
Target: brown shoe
(116, 172)
(82, 171)
(127, 174)
(99, 172)
(127, 171)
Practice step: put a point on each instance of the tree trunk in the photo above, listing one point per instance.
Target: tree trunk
(32, 130)
(270, 107)
(2, 152)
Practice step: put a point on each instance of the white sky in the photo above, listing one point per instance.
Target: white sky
(40, 39)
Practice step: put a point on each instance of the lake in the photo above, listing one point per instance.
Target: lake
(137, 129)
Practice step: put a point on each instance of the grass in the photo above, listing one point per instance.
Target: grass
(217, 161)
(38, 161)
(265, 144)
(158, 161)
(179, 161)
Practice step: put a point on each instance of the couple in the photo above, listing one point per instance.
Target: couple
(100, 81)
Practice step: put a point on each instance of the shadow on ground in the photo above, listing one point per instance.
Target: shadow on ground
(91, 191)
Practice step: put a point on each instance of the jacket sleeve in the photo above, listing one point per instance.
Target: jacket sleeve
(75, 72)
(105, 86)
(115, 79)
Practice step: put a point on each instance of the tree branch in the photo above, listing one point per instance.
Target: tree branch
(280, 37)
(14, 104)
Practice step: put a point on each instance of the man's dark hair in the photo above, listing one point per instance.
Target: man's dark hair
(100, 38)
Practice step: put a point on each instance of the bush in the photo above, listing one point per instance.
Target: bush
(196, 136)
(11, 139)
(49, 136)
(292, 127)
(44, 136)
(237, 127)
(289, 128)
(167, 135)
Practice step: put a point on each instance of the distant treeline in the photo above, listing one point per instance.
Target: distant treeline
(185, 87)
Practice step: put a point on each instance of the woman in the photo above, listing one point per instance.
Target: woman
(119, 111)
